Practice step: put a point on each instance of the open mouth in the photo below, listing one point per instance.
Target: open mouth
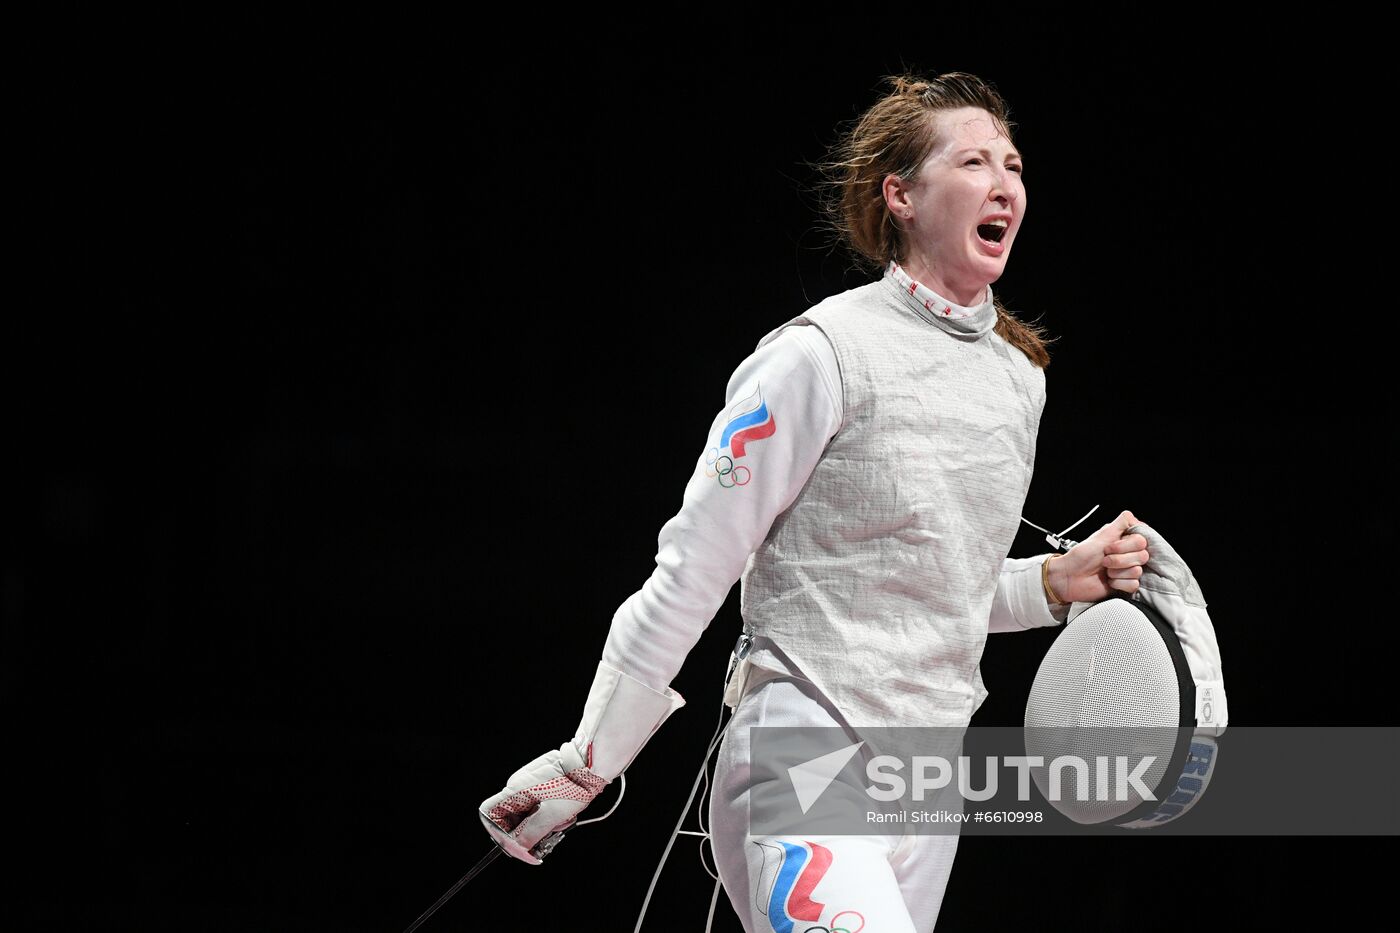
(992, 232)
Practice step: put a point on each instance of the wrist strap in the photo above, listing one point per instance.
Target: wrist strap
(1045, 582)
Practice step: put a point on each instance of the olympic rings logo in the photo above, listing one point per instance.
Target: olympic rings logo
(836, 928)
(722, 468)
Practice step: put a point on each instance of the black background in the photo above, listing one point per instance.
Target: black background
(368, 360)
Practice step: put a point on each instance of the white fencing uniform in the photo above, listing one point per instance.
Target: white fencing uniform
(877, 583)
(891, 882)
(865, 478)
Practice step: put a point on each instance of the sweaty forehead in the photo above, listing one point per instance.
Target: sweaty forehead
(970, 127)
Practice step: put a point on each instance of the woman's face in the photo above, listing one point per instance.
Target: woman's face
(969, 183)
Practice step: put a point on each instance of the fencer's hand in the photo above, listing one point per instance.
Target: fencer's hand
(544, 796)
(1107, 562)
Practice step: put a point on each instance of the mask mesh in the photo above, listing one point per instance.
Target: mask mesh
(1106, 687)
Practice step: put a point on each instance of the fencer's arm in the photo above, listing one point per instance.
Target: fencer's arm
(1020, 602)
(703, 550)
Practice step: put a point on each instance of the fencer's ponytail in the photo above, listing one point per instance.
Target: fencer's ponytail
(1031, 339)
(894, 137)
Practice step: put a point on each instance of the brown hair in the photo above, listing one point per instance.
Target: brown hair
(894, 137)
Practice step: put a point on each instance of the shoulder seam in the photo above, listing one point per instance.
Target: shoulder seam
(837, 398)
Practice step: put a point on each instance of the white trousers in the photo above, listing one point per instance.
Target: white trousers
(889, 883)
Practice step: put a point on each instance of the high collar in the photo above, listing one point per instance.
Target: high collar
(932, 307)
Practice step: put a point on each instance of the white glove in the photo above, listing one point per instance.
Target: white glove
(546, 795)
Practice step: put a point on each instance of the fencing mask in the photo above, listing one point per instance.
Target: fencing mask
(1138, 678)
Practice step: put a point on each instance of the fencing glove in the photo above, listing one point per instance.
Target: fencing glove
(546, 796)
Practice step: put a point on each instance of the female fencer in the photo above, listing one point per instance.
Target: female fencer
(864, 480)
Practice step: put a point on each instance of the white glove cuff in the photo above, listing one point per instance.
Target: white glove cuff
(619, 718)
